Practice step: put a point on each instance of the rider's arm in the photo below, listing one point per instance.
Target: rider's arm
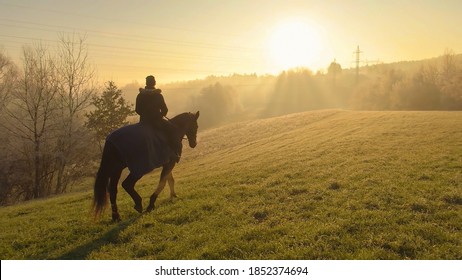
(163, 106)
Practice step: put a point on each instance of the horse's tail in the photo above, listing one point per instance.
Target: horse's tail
(102, 182)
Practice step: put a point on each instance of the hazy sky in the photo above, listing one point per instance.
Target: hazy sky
(188, 39)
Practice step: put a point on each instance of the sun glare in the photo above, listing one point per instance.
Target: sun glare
(295, 44)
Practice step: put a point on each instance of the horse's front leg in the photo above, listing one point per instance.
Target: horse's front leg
(129, 185)
(164, 176)
(171, 184)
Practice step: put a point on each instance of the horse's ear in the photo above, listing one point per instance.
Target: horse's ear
(197, 115)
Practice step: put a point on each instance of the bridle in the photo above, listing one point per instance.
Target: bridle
(168, 119)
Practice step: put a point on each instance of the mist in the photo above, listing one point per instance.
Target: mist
(432, 84)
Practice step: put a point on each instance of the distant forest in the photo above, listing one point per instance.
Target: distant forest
(55, 116)
(433, 84)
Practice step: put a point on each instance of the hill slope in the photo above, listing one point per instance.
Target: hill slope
(319, 185)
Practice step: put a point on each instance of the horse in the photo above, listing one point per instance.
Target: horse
(113, 161)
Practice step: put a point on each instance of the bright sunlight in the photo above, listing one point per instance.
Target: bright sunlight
(295, 43)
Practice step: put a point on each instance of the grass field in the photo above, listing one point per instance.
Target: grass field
(318, 185)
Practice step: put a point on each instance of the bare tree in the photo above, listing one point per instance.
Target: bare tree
(8, 75)
(31, 117)
(449, 82)
(449, 65)
(77, 86)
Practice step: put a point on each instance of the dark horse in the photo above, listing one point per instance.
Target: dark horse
(115, 158)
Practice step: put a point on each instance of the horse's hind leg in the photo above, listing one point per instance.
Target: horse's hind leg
(114, 180)
(129, 185)
(164, 176)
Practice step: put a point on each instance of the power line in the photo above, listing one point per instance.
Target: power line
(132, 50)
(22, 7)
(144, 52)
(197, 51)
(151, 54)
(127, 37)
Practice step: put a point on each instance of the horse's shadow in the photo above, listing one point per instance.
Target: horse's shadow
(83, 251)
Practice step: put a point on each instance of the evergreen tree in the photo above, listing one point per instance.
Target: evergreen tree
(111, 112)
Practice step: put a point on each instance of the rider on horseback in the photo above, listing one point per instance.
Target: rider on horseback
(151, 107)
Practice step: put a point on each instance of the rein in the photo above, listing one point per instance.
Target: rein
(168, 119)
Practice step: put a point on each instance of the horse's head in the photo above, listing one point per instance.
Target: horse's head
(186, 124)
(191, 129)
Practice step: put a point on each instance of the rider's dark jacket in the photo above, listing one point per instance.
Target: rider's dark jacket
(151, 107)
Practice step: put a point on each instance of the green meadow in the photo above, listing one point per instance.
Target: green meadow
(327, 184)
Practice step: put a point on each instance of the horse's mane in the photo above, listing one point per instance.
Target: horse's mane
(181, 118)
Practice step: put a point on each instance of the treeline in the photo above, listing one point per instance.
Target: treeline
(434, 84)
(48, 134)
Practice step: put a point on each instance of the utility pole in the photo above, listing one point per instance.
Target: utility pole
(357, 61)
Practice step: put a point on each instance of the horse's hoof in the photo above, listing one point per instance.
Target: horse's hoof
(139, 208)
(149, 209)
(116, 218)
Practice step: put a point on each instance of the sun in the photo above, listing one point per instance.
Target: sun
(295, 43)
